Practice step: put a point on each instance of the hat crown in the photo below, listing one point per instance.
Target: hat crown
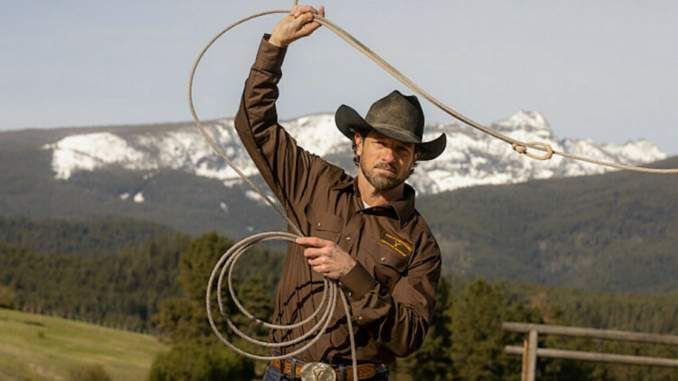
(398, 112)
(395, 116)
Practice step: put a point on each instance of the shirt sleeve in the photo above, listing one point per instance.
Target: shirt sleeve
(399, 319)
(285, 166)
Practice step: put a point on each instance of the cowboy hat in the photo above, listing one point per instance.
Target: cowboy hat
(395, 116)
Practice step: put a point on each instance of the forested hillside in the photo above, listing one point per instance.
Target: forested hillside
(112, 272)
(631, 311)
(614, 232)
(160, 282)
(122, 289)
(86, 237)
(57, 266)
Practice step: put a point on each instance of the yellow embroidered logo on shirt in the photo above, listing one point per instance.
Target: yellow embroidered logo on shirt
(397, 245)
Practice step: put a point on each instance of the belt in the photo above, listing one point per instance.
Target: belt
(365, 371)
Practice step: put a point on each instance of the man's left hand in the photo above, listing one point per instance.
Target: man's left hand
(326, 258)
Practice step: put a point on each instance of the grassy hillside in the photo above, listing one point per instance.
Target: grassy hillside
(45, 348)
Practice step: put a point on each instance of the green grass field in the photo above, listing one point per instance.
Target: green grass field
(35, 347)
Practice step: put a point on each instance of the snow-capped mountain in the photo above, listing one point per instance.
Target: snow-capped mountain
(471, 157)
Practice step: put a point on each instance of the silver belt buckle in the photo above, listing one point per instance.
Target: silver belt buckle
(317, 371)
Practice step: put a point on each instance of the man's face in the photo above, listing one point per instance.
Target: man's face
(385, 162)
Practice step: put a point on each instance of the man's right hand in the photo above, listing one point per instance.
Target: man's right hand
(295, 26)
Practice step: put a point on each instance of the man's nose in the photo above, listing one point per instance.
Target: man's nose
(388, 155)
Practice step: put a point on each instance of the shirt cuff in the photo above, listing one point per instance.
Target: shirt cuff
(357, 282)
(270, 57)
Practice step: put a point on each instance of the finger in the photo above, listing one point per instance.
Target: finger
(310, 28)
(321, 269)
(322, 11)
(318, 261)
(305, 241)
(304, 9)
(302, 20)
(312, 252)
(312, 242)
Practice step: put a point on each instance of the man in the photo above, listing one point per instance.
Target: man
(363, 232)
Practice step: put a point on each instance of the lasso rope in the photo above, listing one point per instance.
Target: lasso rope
(228, 261)
(517, 145)
(229, 258)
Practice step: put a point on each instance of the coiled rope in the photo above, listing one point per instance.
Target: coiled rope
(227, 262)
(229, 258)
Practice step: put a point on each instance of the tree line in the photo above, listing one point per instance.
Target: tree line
(159, 282)
(615, 232)
(465, 340)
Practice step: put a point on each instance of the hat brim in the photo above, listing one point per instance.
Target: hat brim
(348, 119)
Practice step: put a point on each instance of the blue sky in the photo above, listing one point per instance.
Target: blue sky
(605, 70)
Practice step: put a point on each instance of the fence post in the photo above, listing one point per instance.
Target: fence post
(532, 356)
(523, 373)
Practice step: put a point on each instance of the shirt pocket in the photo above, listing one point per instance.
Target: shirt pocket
(389, 265)
(323, 224)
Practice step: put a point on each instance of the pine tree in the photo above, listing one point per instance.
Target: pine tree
(433, 361)
(196, 264)
(477, 337)
(7, 297)
(198, 354)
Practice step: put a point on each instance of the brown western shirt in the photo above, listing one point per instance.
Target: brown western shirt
(391, 289)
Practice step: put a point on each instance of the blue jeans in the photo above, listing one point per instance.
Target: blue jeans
(273, 374)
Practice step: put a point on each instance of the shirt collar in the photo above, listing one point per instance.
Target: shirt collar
(404, 207)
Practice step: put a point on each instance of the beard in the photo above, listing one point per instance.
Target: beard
(382, 181)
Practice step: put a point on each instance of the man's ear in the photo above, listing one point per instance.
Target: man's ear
(415, 158)
(359, 143)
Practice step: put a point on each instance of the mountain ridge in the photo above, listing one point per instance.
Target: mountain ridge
(557, 230)
(472, 158)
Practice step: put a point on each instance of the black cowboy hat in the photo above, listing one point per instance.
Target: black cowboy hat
(395, 116)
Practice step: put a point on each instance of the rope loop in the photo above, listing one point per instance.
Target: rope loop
(224, 269)
(522, 149)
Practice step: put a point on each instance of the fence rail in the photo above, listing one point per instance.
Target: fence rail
(591, 356)
(530, 350)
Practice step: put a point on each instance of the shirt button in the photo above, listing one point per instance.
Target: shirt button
(360, 318)
(383, 259)
(319, 223)
(348, 238)
(350, 294)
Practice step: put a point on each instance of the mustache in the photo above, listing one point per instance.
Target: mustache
(386, 166)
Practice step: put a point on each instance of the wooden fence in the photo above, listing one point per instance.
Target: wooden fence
(530, 350)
